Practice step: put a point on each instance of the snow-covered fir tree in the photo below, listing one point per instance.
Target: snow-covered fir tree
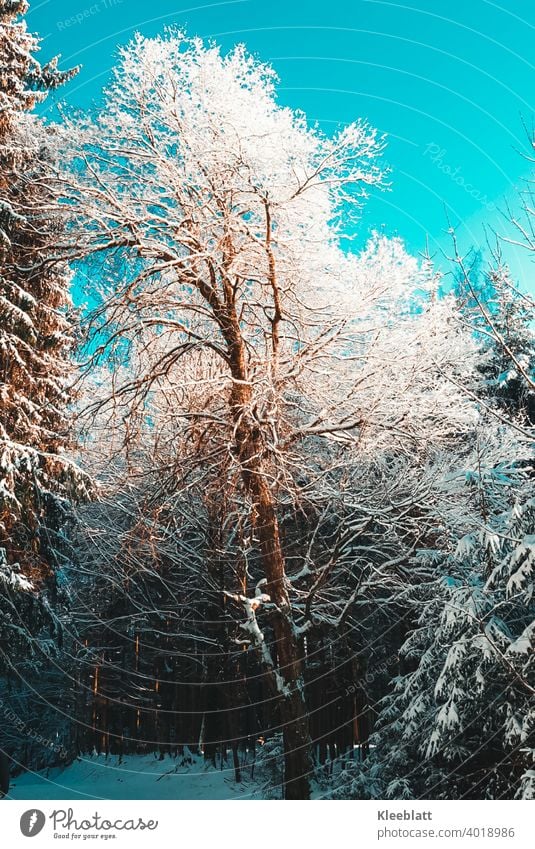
(36, 326)
(37, 478)
(501, 318)
(461, 724)
(509, 341)
(459, 721)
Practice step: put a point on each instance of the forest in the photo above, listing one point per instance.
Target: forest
(266, 489)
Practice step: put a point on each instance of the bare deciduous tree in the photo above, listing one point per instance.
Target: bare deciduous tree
(242, 317)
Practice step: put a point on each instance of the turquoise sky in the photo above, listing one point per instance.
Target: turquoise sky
(448, 82)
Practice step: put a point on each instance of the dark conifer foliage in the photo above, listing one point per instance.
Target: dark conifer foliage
(37, 330)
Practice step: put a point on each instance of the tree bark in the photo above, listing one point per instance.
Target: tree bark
(4, 774)
(250, 449)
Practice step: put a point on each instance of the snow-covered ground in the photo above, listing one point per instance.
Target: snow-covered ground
(137, 777)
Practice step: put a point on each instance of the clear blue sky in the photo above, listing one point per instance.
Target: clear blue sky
(447, 80)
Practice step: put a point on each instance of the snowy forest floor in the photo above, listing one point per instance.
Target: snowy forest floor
(148, 777)
(136, 777)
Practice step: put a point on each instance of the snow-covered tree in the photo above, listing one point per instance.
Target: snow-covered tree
(36, 340)
(461, 724)
(513, 343)
(221, 201)
(36, 330)
(459, 719)
(258, 364)
(501, 317)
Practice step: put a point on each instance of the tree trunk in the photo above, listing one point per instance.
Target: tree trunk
(250, 450)
(4, 774)
(296, 735)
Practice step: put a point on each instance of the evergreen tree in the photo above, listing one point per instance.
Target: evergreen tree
(36, 325)
(510, 344)
(36, 339)
(501, 317)
(461, 723)
(458, 721)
